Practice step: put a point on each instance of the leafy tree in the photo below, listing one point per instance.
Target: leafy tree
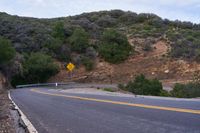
(7, 52)
(114, 47)
(79, 40)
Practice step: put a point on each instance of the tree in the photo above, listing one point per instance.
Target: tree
(79, 40)
(7, 52)
(114, 46)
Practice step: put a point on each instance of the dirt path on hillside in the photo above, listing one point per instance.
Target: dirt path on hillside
(159, 48)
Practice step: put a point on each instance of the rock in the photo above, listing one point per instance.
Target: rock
(166, 71)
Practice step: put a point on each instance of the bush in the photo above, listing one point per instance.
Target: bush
(58, 50)
(37, 68)
(7, 52)
(114, 47)
(143, 86)
(109, 89)
(79, 40)
(64, 53)
(54, 45)
(122, 87)
(185, 43)
(128, 18)
(189, 90)
(88, 63)
(106, 21)
(58, 31)
(164, 93)
(91, 53)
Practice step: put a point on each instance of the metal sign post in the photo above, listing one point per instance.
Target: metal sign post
(70, 67)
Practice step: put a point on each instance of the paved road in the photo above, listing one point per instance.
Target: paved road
(58, 112)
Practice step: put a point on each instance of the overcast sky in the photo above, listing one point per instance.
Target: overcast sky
(185, 10)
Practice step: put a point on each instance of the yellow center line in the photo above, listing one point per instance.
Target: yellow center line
(122, 103)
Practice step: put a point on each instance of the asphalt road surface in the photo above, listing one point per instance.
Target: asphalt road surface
(59, 112)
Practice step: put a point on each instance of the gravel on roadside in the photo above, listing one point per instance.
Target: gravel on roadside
(6, 120)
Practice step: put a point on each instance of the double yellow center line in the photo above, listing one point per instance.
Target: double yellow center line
(121, 103)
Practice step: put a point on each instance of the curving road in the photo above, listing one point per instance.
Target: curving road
(60, 112)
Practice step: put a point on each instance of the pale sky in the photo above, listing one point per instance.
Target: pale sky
(185, 10)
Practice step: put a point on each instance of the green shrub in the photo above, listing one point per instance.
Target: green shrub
(18, 80)
(164, 93)
(7, 52)
(185, 43)
(197, 56)
(108, 89)
(114, 47)
(54, 45)
(88, 63)
(58, 31)
(178, 91)
(79, 40)
(40, 67)
(189, 90)
(122, 87)
(142, 86)
(37, 68)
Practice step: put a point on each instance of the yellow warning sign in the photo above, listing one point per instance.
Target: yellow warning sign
(70, 66)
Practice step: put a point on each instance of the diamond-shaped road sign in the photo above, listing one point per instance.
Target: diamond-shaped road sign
(70, 66)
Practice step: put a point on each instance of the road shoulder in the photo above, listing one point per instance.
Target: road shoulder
(6, 120)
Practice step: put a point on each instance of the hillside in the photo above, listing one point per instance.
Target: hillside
(160, 48)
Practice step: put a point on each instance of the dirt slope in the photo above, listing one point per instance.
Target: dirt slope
(154, 64)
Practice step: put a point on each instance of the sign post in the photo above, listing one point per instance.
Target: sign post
(70, 67)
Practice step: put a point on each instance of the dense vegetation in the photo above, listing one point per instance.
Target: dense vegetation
(185, 43)
(37, 68)
(7, 52)
(189, 90)
(80, 39)
(114, 47)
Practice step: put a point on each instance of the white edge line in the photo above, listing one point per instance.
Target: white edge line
(26, 121)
